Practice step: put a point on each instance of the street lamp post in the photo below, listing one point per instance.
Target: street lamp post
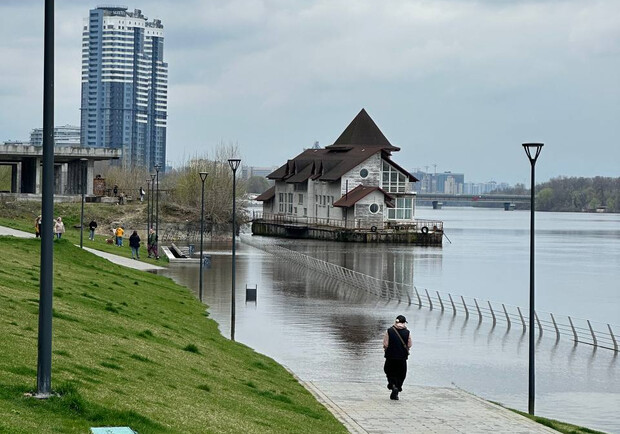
(234, 164)
(203, 178)
(83, 176)
(46, 274)
(148, 207)
(532, 148)
(157, 167)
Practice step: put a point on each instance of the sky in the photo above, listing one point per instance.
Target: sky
(459, 84)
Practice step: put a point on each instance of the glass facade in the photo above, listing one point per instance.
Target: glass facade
(124, 85)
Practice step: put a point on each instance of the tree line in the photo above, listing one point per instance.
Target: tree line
(575, 194)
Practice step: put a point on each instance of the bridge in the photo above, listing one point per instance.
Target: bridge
(508, 200)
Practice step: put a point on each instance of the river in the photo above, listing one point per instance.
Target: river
(323, 330)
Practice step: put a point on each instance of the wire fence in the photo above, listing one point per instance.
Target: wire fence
(583, 331)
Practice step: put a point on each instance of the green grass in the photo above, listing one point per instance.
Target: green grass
(151, 362)
(21, 216)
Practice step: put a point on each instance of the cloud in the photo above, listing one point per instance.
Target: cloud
(443, 76)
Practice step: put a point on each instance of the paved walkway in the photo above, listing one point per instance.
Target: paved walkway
(120, 260)
(367, 408)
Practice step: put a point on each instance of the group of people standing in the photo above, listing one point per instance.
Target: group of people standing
(59, 227)
(119, 233)
(134, 242)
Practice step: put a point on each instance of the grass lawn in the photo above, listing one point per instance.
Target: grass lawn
(133, 349)
(22, 217)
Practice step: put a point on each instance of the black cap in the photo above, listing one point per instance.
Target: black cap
(401, 319)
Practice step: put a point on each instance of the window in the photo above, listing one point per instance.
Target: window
(301, 199)
(403, 209)
(393, 180)
(363, 173)
(374, 208)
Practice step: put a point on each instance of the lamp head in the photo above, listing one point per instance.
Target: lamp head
(153, 177)
(157, 167)
(234, 163)
(532, 148)
(203, 176)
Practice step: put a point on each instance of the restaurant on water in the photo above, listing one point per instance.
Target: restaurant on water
(351, 190)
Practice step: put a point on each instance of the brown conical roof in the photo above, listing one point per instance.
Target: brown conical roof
(362, 131)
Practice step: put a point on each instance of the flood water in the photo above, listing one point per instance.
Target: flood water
(324, 330)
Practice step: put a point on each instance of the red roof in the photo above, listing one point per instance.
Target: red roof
(360, 192)
(267, 194)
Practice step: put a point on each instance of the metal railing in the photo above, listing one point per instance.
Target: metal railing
(416, 226)
(580, 331)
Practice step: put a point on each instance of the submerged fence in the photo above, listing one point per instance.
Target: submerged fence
(581, 331)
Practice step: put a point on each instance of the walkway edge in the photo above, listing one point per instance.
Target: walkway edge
(351, 425)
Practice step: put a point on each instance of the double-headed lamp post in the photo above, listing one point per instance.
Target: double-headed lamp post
(157, 167)
(83, 162)
(203, 178)
(148, 207)
(234, 164)
(151, 214)
(532, 150)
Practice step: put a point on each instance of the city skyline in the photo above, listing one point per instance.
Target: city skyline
(458, 83)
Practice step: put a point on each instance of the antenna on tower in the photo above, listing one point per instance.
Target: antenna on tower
(435, 166)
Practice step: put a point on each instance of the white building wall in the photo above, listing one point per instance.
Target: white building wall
(373, 179)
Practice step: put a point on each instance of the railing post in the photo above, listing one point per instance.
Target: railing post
(429, 299)
(452, 302)
(440, 302)
(613, 338)
(594, 341)
(478, 309)
(575, 337)
(492, 313)
(507, 317)
(557, 332)
(418, 295)
(465, 307)
(522, 320)
(540, 330)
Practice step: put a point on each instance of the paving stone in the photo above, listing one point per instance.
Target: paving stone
(367, 408)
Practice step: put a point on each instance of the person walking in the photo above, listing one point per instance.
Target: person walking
(59, 227)
(37, 227)
(152, 242)
(396, 344)
(119, 236)
(134, 243)
(142, 193)
(92, 226)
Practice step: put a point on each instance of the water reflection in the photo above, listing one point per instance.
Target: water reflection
(324, 329)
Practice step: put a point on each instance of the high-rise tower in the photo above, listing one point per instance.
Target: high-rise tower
(124, 85)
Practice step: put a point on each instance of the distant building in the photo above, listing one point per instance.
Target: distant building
(447, 182)
(248, 172)
(124, 85)
(66, 135)
(353, 180)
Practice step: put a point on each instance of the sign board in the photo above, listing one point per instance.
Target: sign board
(112, 430)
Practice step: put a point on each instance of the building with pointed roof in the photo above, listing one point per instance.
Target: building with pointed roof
(353, 183)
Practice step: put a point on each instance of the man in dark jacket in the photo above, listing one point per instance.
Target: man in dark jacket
(396, 344)
(134, 243)
(92, 226)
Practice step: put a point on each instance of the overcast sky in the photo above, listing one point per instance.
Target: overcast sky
(456, 83)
